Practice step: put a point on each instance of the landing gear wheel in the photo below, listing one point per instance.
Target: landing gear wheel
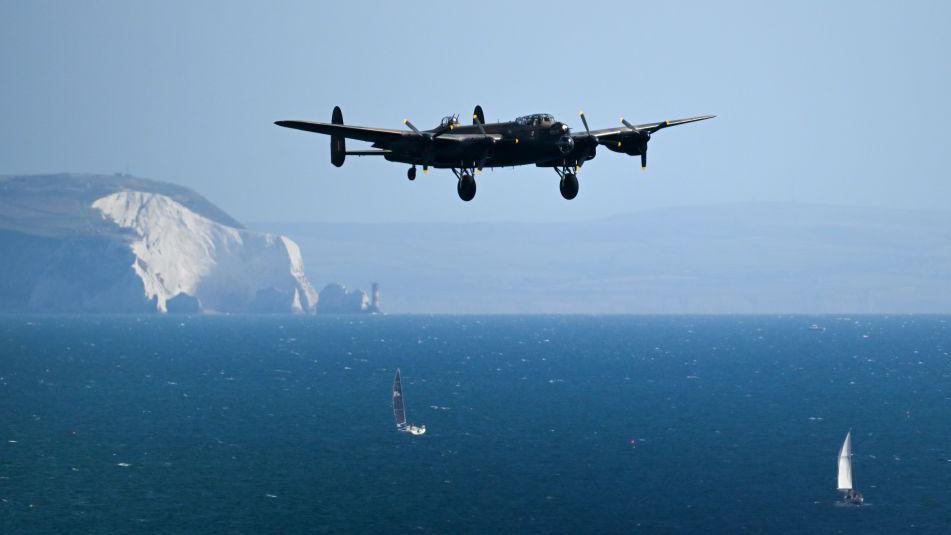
(466, 187)
(569, 186)
(411, 173)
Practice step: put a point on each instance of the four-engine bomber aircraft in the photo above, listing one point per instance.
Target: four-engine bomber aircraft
(533, 139)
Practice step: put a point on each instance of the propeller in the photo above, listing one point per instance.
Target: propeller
(429, 136)
(585, 122)
(438, 131)
(592, 140)
(647, 130)
(427, 146)
(645, 137)
(478, 122)
(413, 128)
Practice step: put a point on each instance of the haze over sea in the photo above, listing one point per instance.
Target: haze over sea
(283, 423)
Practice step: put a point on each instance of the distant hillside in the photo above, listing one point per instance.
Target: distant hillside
(740, 258)
(58, 205)
(88, 243)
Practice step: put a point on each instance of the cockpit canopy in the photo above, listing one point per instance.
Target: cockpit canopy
(536, 119)
(449, 120)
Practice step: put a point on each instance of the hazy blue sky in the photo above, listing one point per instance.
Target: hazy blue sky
(833, 102)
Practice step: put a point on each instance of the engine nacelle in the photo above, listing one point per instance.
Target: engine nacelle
(632, 144)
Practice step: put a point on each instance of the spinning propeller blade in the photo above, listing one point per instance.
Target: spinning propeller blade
(411, 127)
(585, 122)
(645, 137)
(475, 119)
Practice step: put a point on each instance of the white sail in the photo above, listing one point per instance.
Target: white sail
(399, 409)
(845, 463)
(399, 406)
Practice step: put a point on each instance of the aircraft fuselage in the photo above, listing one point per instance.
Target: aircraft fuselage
(520, 145)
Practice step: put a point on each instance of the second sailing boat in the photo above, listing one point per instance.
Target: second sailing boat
(399, 409)
(851, 496)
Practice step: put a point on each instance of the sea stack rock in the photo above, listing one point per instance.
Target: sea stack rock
(336, 299)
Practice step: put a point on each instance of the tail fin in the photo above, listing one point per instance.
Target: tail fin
(338, 145)
(477, 112)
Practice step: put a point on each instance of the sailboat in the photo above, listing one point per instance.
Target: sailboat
(850, 495)
(399, 410)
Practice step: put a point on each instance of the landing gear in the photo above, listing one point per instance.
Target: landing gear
(568, 183)
(411, 173)
(569, 186)
(466, 187)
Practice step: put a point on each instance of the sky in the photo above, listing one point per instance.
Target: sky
(842, 103)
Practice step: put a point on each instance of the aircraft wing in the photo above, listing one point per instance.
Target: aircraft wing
(608, 134)
(470, 137)
(376, 135)
(363, 133)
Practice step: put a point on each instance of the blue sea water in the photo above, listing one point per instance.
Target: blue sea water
(125, 424)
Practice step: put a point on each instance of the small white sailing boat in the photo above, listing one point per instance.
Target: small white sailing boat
(399, 410)
(850, 495)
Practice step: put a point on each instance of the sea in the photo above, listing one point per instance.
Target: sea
(535, 424)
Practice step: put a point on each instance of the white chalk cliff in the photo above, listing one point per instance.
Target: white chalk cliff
(178, 251)
(116, 243)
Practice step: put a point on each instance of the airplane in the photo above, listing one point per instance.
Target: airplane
(467, 149)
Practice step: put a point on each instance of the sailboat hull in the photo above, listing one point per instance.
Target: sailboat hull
(853, 498)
